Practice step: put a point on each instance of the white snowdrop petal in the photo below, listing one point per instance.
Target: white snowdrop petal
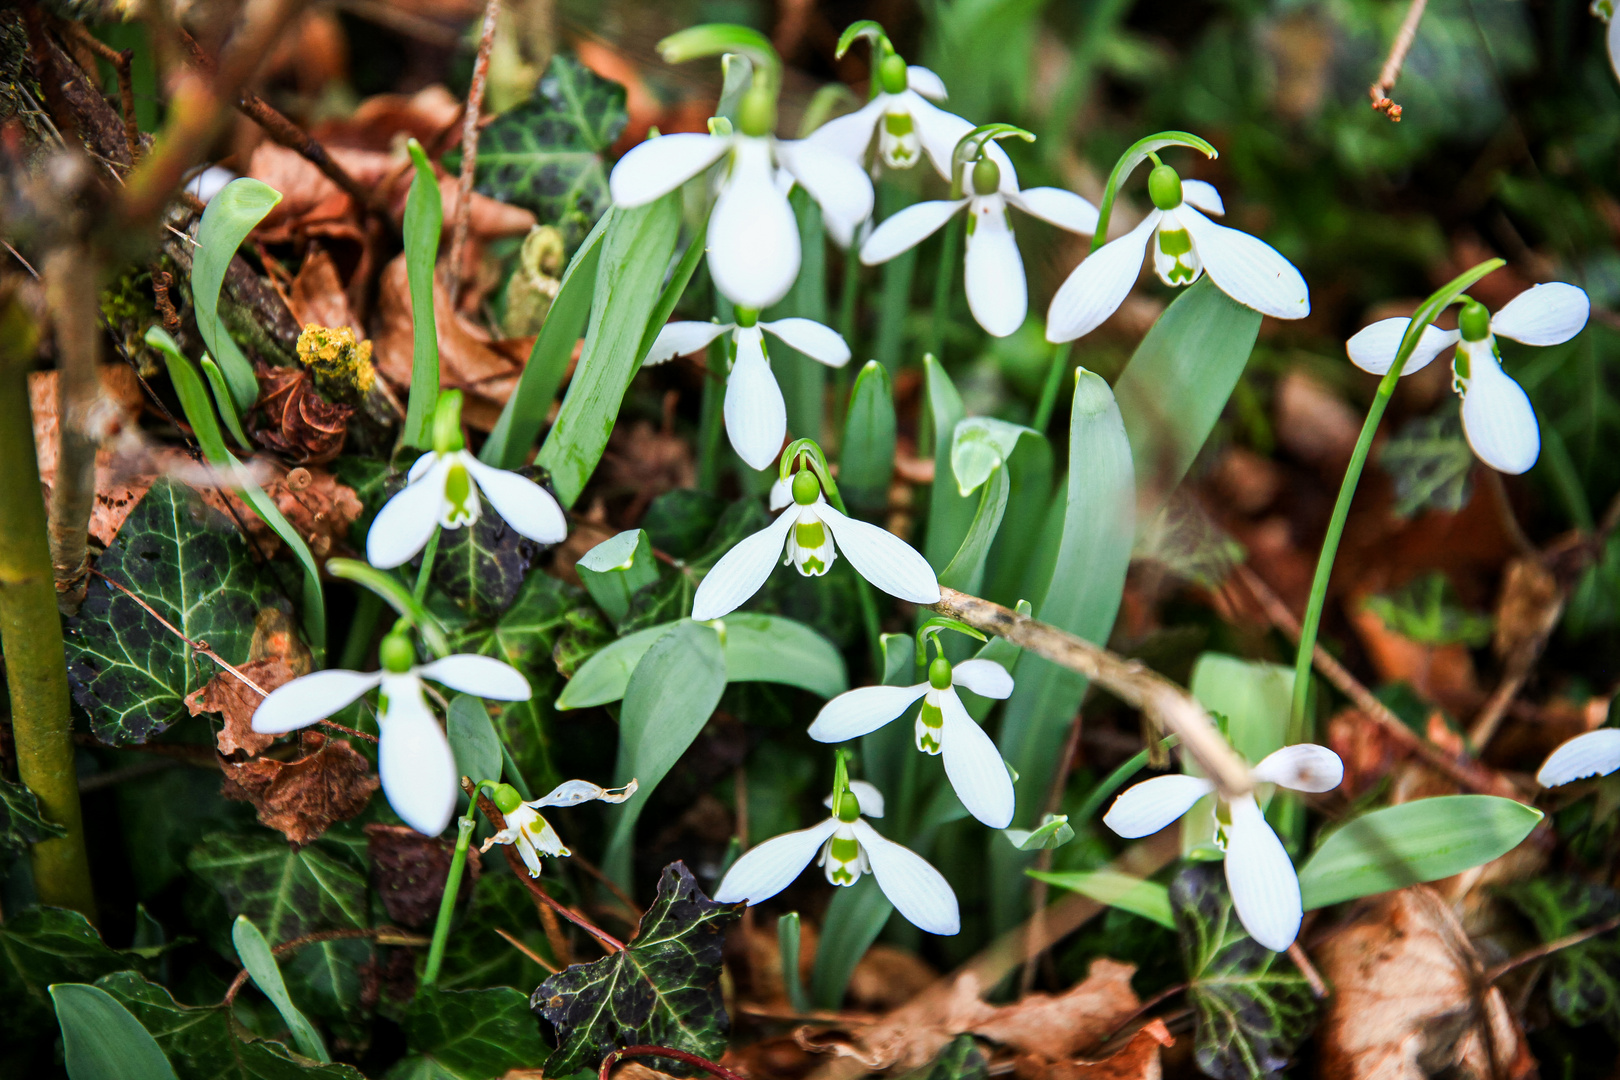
(753, 237)
(1497, 417)
(1203, 195)
(882, 558)
(905, 230)
(993, 275)
(861, 711)
(481, 676)
(1248, 269)
(849, 135)
(1612, 39)
(310, 698)
(1143, 809)
(742, 570)
(755, 413)
(984, 677)
(917, 890)
(1096, 288)
(420, 466)
(574, 792)
(1062, 208)
(939, 132)
(1543, 314)
(870, 798)
(414, 761)
(816, 341)
(974, 766)
(839, 185)
(766, 870)
(1596, 753)
(522, 503)
(404, 524)
(1301, 767)
(681, 338)
(925, 82)
(780, 495)
(1261, 878)
(1373, 347)
(659, 166)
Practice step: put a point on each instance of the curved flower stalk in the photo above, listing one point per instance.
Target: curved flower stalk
(1185, 245)
(755, 413)
(1496, 413)
(413, 756)
(848, 848)
(972, 763)
(993, 272)
(441, 491)
(808, 534)
(1259, 874)
(531, 833)
(1596, 753)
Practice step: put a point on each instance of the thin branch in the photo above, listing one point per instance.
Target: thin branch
(539, 960)
(382, 935)
(72, 280)
(121, 62)
(1551, 947)
(469, 147)
(1379, 90)
(665, 1052)
(1318, 985)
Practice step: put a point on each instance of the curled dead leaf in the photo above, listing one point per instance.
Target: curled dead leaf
(408, 870)
(235, 701)
(317, 295)
(293, 419)
(302, 798)
(1138, 1059)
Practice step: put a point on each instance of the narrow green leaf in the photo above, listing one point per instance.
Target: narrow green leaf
(424, 219)
(1254, 697)
(671, 694)
(866, 457)
(102, 1041)
(675, 288)
(980, 444)
(949, 511)
(1402, 845)
(636, 250)
(1053, 832)
(230, 216)
(261, 965)
(397, 596)
(803, 380)
(853, 921)
(615, 569)
(222, 398)
(1148, 899)
(473, 741)
(1015, 555)
(966, 568)
(787, 943)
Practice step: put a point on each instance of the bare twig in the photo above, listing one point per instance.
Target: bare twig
(382, 935)
(161, 281)
(1318, 985)
(1379, 90)
(1551, 947)
(663, 1051)
(71, 284)
(1173, 709)
(469, 147)
(120, 61)
(539, 960)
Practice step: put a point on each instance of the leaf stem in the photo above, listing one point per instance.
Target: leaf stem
(1054, 382)
(452, 886)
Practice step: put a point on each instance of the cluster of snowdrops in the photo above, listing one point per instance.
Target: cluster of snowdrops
(753, 251)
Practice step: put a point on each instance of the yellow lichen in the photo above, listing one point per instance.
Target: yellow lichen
(340, 365)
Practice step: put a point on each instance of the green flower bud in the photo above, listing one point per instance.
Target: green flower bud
(892, 74)
(806, 488)
(757, 113)
(986, 176)
(939, 673)
(1164, 187)
(506, 797)
(396, 653)
(849, 807)
(447, 423)
(1474, 321)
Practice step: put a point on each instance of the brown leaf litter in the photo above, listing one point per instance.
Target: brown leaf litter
(276, 656)
(408, 870)
(302, 798)
(1138, 1059)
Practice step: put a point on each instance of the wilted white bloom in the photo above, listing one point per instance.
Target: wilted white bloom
(531, 833)
(1596, 753)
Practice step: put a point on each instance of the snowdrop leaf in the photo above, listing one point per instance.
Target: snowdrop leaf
(1252, 1008)
(1584, 980)
(473, 741)
(1254, 697)
(966, 568)
(1402, 845)
(979, 445)
(102, 1041)
(662, 990)
(802, 378)
(21, 822)
(949, 511)
(424, 219)
(854, 919)
(866, 457)
(1016, 559)
(961, 1060)
(1053, 832)
(613, 570)
(469, 1034)
(1148, 899)
(255, 954)
(230, 216)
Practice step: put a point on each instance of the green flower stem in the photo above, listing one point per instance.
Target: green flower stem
(944, 276)
(447, 903)
(1054, 381)
(894, 298)
(1114, 781)
(425, 574)
(36, 673)
(367, 610)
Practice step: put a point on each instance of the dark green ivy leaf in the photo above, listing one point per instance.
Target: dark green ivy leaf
(961, 1060)
(1252, 1008)
(1584, 986)
(468, 1035)
(129, 673)
(662, 990)
(679, 521)
(546, 154)
(48, 945)
(21, 823)
(1430, 463)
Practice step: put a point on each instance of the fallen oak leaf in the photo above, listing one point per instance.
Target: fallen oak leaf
(1138, 1059)
(302, 798)
(409, 870)
(276, 656)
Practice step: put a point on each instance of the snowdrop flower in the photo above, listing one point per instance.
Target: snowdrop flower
(1496, 413)
(1265, 890)
(1604, 10)
(848, 847)
(805, 534)
(441, 491)
(756, 415)
(530, 832)
(972, 762)
(413, 756)
(993, 272)
(1596, 753)
(1185, 245)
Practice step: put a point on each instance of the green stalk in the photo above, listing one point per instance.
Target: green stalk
(944, 276)
(894, 301)
(1312, 622)
(36, 673)
(447, 902)
(1049, 392)
(366, 612)
(425, 574)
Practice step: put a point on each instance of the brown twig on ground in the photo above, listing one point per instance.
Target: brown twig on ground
(382, 935)
(1318, 985)
(540, 961)
(1173, 709)
(1379, 90)
(1043, 861)
(1541, 951)
(663, 1051)
(469, 147)
(120, 61)
(161, 281)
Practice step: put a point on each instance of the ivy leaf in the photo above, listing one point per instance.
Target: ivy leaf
(670, 597)
(662, 990)
(481, 567)
(546, 154)
(468, 1035)
(1252, 1008)
(1430, 462)
(679, 521)
(476, 955)
(46, 945)
(21, 823)
(207, 1044)
(129, 673)
(1584, 987)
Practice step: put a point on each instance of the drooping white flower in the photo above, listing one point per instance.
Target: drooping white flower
(1596, 753)
(441, 491)
(755, 414)
(972, 762)
(753, 238)
(532, 833)
(808, 534)
(1185, 245)
(1604, 10)
(1496, 413)
(993, 272)
(848, 847)
(418, 771)
(1259, 874)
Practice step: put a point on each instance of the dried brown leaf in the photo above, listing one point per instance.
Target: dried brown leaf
(408, 870)
(293, 419)
(235, 701)
(302, 798)
(1138, 1059)
(317, 295)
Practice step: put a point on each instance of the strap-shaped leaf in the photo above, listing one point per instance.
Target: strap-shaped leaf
(231, 215)
(102, 1041)
(261, 965)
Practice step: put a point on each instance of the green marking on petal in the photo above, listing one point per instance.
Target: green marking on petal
(810, 534)
(932, 717)
(1174, 242)
(897, 124)
(458, 491)
(845, 849)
